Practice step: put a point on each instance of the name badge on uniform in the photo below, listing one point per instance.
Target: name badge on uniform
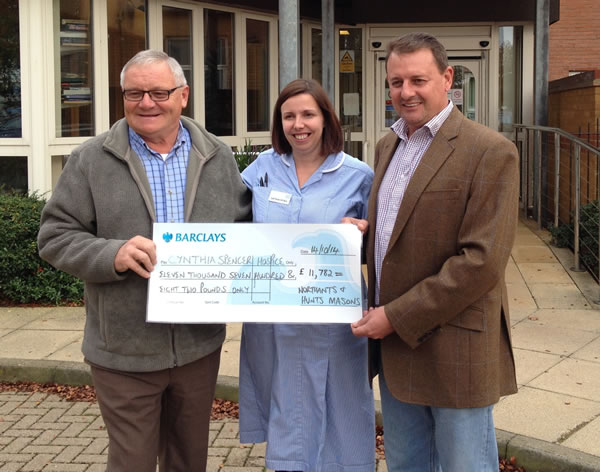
(280, 197)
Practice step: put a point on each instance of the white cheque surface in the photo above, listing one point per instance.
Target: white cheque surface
(288, 273)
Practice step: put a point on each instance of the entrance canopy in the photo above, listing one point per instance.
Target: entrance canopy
(352, 12)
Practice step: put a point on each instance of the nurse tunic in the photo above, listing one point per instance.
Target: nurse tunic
(304, 388)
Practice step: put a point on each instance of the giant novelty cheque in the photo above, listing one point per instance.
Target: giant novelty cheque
(288, 273)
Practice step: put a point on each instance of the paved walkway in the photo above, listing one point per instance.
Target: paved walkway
(552, 424)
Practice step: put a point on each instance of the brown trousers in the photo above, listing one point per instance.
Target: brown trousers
(164, 414)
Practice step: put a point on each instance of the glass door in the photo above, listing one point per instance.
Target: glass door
(466, 88)
(466, 93)
(385, 115)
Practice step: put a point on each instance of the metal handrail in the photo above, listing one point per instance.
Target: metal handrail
(538, 180)
(562, 133)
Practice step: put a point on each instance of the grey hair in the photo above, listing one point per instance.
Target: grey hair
(412, 42)
(154, 56)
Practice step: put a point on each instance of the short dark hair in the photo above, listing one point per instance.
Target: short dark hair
(412, 42)
(332, 140)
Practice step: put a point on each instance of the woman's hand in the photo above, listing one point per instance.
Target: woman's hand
(362, 225)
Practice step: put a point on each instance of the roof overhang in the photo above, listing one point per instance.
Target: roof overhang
(435, 11)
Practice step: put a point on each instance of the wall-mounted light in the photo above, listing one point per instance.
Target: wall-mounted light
(344, 33)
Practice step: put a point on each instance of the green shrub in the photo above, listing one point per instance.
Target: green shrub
(24, 277)
(564, 236)
(246, 154)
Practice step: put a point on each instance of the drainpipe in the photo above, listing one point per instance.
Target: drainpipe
(289, 41)
(328, 30)
(542, 25)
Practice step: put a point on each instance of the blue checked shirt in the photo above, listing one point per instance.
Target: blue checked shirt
(167, 177)
(397, 176)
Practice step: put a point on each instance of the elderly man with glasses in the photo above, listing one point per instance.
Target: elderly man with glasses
(154, 382)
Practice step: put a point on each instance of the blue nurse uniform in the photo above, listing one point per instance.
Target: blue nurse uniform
(304, 388)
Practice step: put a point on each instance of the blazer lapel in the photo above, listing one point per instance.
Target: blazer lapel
(439, 150)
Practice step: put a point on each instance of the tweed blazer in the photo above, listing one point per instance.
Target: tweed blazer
(442, 278)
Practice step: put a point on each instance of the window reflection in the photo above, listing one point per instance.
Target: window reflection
(13, 173)
(218, 72)
(75, 69)
(316, 41)
(177, 34)
(463, 91)
(257, 74)
(351, 86)
(510, 54)
(10, 71)
(126, 37)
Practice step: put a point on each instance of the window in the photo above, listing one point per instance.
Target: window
(257, 74)
(316, 40)
(126, 37)
(219, 109)
(10, 71)
(177, 35)
(74, 70)
(13, 173)
(350, 86)
(510, 56)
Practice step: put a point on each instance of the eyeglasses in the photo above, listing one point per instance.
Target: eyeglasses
(155, 95)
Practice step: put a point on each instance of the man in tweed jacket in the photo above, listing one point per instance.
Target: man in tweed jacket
(442, 220)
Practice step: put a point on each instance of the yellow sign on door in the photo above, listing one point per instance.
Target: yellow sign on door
(346, 62)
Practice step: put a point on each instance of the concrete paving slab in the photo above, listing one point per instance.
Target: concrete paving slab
(586, 438)
(534, 336)
(590, 352)
(512, 275)
(234, 331)
(230, 358)
(520, 298)
(22, 345)
(14, 318)
(518, 314)
(532, 254)
(525, 227)
(531, 364)
(528, 239)
(71, 352)
(584, 281)
(585, 320)
(376, 391)
(544, 415)
(574, 377)
(558, 296)
(4, 332)
(519, 294)
(544, 272)
(62, 319)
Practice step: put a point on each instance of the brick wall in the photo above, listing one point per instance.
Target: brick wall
(574, 106)
(574, 40)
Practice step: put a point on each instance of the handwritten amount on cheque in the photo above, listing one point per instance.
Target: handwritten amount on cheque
(255, 269)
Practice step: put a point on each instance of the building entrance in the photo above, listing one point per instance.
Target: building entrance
(467, 92)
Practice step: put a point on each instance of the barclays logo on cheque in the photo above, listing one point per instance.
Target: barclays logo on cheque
(195, 237)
